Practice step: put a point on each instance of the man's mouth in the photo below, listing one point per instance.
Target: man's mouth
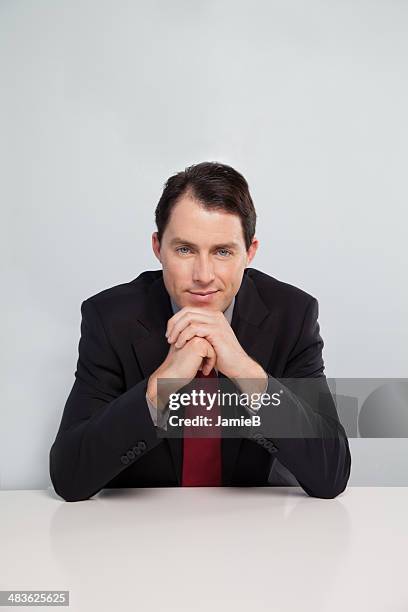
(203, 292)
(203, 297)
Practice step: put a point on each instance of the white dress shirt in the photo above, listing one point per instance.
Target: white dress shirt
(228, 315)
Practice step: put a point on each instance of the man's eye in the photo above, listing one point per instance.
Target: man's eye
(185, 250)
(179, 249)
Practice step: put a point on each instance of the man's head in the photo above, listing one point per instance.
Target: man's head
(205, 235)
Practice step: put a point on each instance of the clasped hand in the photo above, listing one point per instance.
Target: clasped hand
(230, 357)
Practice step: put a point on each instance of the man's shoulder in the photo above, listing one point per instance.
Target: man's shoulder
(125, 297)
(275, 292)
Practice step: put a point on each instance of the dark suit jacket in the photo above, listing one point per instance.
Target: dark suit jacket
(107, 438)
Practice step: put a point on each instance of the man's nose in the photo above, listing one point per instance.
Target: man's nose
(203, 271)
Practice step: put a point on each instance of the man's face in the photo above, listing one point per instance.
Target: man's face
(203, 255)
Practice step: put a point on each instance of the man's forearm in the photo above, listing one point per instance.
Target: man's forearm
(306, 435)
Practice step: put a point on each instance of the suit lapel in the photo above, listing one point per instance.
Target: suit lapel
(151, 348)
(149, 341)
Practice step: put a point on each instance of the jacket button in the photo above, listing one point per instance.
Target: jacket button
(142, 445)
(136, 450)
(124, 459)
(130, 454)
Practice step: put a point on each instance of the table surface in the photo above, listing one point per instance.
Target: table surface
(266, 548)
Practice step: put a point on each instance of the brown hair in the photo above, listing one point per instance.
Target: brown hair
(215, 186)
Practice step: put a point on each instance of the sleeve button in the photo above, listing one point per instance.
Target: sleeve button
(124, 459)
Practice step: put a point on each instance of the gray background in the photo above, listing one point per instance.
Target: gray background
(101, 101)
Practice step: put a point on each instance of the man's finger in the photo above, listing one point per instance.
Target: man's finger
(210, 362)
(182, 318)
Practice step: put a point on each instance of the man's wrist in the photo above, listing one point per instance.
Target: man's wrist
(249, 369)
(151, 390)
(159, 394)
(251, 377)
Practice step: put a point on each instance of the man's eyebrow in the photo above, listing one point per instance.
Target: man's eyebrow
(229, 245)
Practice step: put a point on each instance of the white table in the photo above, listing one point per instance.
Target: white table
(210, 549)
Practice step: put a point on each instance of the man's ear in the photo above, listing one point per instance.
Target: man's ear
(253, 247)
(156, 245)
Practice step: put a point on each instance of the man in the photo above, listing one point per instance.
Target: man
(205, 314)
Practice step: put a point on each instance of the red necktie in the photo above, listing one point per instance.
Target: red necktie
(202, 456)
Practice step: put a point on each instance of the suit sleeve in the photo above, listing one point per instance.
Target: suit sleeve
(104, 427)
(313, 445)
